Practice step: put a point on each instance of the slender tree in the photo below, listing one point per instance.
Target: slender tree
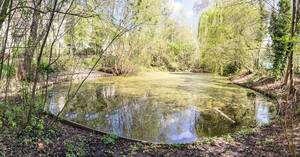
(3, 11)
(295, 20)
(3, 14)
(279, 30)
(37, 69)
(32, 42)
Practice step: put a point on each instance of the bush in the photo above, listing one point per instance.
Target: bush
(86, 51)
(90, 61)
(109, 139)
(230, 69)
(6, 68)
(109, 61)
(65, 62)
(44, 65)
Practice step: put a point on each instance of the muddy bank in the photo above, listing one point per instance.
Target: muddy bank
(267, 86)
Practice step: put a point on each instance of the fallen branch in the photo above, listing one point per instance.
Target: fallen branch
(224, 115)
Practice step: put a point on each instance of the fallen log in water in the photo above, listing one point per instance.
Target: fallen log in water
(224, 115)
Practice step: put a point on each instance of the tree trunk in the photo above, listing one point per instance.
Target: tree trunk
(113, 7)
(37, 69)
(32, 43)
(71, 33)
(287, 74)
(3, 12)
(290, 71)
(2, 19)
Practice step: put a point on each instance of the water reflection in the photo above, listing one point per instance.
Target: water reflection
(262, 114)
(179, 127)
(178, 111)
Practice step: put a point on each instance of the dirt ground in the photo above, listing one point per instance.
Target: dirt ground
(66, 140)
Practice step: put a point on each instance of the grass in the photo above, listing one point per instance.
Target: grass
(209, 140)
(109, 139)
(136, 147)
(267, 124)
(2, 153)
(228, 138)
(269, 141)
(109, 152)
(258, 143)
(240, 139)
(75, 148)
(175, 145)
(246, 131)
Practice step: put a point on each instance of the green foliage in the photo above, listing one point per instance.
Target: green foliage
(258, 143)
(240, 139)
(2, 152)
(250, 82)
(269, 141)
(109, 153)
(268, 124)
(86, 51)
(75, 148)
(209, 140)
(230, 68)
(136, 147)
(109, 139)
(15, 117)
(160, 43)
(11, 118)
(246, 131)
(175, 145)
(44, 67)
(29, 138)
(9, 69)
(228, 138)
(227, 152)
(65, 63)
(279, 30)
(230, 36)
(89, 62)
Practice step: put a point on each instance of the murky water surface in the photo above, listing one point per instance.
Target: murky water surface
(163, 107)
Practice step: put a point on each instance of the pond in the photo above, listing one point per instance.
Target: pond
(163, 107)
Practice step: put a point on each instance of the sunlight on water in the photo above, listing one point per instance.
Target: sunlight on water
(163, 107)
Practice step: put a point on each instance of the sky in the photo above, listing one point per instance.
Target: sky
(188, 11)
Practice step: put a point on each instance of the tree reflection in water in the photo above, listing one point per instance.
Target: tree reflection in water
(176, 112)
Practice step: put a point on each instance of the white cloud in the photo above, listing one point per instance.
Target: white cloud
(190, 13)
(183, 11)
(176, 6)
(184, 135)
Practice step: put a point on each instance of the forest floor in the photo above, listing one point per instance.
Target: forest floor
(65, 140)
